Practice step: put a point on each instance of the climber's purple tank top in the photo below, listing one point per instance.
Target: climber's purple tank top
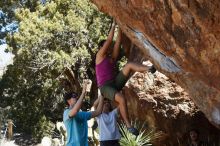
(104, 71)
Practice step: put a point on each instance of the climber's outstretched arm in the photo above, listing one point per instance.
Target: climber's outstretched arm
(103, 49)
(116, 49)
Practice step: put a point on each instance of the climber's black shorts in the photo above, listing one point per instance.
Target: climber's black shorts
(110, 88)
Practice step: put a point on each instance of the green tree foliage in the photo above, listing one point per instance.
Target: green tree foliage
(8, 23)
(51, 37)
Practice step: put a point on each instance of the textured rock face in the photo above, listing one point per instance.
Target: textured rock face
(181, 38)
(164, 105)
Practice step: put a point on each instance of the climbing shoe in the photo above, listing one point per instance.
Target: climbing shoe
(133, 131)
(152, 69)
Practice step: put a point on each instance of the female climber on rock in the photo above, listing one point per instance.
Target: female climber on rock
(110, 84)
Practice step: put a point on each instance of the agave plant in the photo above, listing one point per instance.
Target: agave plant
(144, 138)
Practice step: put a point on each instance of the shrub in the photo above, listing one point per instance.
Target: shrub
(145, 137)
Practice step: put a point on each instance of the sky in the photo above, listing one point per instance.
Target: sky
(5, 58)
(5, 27)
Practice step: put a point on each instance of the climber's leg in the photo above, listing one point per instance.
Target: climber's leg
(109, 91)
(119, 98)
(132, 67)
(124, 112)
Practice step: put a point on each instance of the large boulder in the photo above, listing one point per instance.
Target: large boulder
(181, 38)
(166, 107)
